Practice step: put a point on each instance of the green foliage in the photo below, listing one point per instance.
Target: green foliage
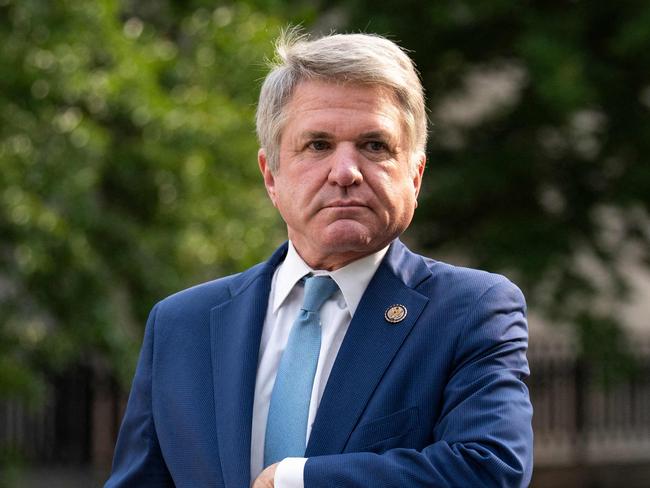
(541, 135)
(11, 465)
(127, 155)
(605, 350)
(127, 170)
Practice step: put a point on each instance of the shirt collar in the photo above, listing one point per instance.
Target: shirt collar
(351, 279)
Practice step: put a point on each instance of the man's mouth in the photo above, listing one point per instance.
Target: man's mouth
(345, 203)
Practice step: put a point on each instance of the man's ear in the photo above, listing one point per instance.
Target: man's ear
(267, 174)
(418, 171)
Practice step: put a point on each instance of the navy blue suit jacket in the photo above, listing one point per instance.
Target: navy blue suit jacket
(435, 400)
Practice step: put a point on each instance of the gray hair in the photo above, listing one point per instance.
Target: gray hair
(339, 58)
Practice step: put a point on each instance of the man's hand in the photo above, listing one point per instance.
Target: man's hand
(265, 479)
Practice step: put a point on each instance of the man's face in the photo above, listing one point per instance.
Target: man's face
(347, 181)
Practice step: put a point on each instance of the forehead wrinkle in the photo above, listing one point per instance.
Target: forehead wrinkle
(374, 124)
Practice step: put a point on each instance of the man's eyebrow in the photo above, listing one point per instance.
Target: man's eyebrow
(374, 134)
(377, 134)
(316, 134)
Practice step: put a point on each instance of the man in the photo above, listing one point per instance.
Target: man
(345, 360)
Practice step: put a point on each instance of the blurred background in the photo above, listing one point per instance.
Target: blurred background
(128, 171)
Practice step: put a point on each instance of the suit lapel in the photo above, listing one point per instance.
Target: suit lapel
(368, 348)
(236, 329)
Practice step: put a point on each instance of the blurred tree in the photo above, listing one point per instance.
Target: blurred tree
(538, 160)
(127, 170)
(127, 155)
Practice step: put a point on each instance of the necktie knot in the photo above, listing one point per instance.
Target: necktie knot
(318, 289)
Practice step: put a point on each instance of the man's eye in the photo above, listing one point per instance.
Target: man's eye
(319, 145)
(376, 146)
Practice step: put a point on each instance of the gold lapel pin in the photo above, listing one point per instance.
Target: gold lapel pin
(395, 313)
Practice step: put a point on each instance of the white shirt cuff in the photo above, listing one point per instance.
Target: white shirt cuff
(289, 473)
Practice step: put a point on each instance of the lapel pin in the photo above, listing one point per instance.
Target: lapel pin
(395, 313)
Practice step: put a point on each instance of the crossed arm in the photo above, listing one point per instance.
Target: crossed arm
(483, 436)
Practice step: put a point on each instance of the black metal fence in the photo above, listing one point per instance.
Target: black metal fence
(585, 414)
(578, 419)
(75, 424)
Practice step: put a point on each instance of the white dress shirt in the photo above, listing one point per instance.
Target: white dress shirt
(285, 300)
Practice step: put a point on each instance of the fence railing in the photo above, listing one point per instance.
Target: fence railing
(581, 417)
(75, 424)
(577, 418)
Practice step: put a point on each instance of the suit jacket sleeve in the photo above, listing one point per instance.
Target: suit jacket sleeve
(138, 460)
(483, 436)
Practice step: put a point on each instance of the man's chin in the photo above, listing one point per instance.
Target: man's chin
(349, 237)
(338, 244)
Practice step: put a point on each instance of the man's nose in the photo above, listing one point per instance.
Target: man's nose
(345, 169)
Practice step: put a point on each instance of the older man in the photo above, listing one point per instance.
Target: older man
(345, 360)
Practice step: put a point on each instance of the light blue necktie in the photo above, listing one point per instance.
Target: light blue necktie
(286, 426)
